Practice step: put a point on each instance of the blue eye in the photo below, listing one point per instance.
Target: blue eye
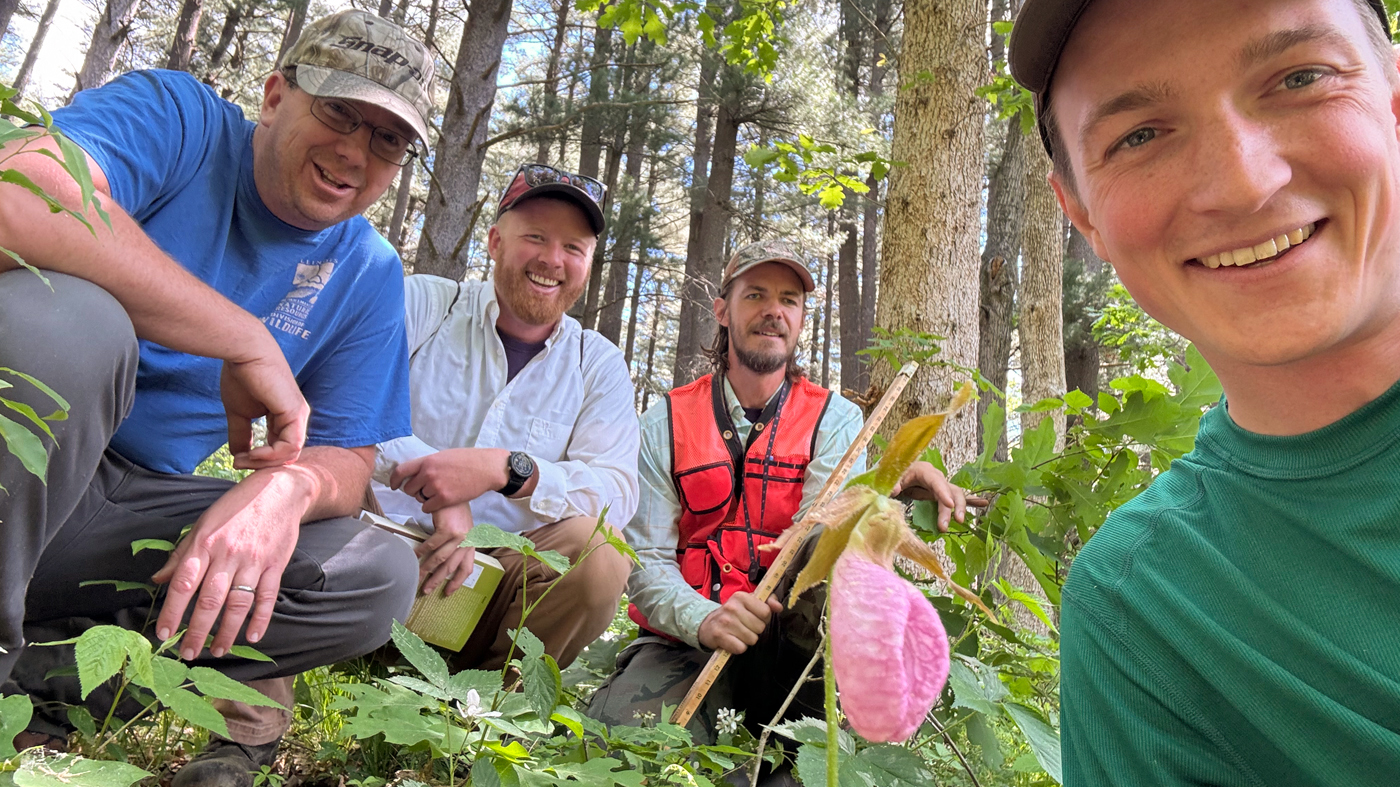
(1301, 79)
(1139, 137)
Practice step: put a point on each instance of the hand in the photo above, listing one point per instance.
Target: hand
(737, 623)
(450, 477)
(439, 557)
(923, 481)
(245, 539)
(263, 386)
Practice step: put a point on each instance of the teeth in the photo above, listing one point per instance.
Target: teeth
(1265, 251)
(542, 281)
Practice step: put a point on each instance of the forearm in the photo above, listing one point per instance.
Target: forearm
(669, 603)
(166, 303)
(324, 482)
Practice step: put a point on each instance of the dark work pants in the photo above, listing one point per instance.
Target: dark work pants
(344, 585)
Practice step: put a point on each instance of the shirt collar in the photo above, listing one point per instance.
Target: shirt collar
(736, 410)
(491, 311)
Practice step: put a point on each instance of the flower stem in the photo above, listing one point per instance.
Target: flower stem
(833, 731)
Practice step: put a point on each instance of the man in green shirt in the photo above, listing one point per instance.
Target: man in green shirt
(1239, 165)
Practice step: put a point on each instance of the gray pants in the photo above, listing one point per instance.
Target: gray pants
(343, 586)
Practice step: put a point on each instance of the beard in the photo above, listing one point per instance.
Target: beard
(517, 294)
(757, 360)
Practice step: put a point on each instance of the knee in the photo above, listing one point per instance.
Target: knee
(600, 573)
(387, 580)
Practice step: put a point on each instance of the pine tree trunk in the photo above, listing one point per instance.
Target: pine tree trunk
(232, 20)
(997, 312)
(610, 315)
(401, 197)
(590, 153)
(826, 319)
(848, 281)
(714, 231)
(31, 57)
(296, 20)
(453, 206)
(928, 274)
(109, 33)
(429, 35)
(550, 111)
(644, 382)
(1082, 356)
(1041, 324)
(386, 7)
(7, 12)
(186, 30)
(870, 230)
(633, 303)
(695, 297)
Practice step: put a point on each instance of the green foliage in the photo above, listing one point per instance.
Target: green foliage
(1006, 94)
(819, 168)
(1139, 340)
(748, 40)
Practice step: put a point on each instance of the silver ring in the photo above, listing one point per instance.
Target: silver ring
(244, 588)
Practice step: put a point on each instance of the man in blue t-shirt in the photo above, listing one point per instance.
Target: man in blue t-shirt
(237, 281)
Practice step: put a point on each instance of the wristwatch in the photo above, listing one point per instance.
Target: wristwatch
(521, 468)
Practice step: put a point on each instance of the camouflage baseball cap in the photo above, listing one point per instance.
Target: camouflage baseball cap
(362, 57)
(759, 252)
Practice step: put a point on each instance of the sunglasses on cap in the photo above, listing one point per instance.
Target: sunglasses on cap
(528, 176)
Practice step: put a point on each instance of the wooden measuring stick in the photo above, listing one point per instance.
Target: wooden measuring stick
(706, 680)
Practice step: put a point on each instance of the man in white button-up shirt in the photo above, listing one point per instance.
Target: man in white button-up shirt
(521, 419)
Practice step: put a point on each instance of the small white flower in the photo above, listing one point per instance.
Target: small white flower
(729, 720)
(473, 709)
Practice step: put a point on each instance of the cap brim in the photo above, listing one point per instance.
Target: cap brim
(572, 193)
(331, 83)
(808, 285)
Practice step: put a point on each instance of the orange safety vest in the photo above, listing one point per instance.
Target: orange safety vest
(736, 497)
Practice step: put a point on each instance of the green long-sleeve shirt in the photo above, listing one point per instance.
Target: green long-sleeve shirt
(1239, 622)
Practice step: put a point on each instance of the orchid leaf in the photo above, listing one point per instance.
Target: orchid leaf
(838, 519)
(910, 441)
(912, 548)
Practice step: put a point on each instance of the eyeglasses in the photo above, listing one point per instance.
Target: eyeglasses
(385, 143)
(531, 175)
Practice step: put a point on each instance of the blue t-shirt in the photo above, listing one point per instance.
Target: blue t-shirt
(180, 160)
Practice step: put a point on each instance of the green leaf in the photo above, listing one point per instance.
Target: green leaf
(911, 440)
(887, 766)
(485, 682)
(15, 712)
(119, 585)
(620, 544)
(529, 644)
(82, 721)
(1078, 400)
(26, 447)
(28, 412)
(191, 707)
(758, 158)
(75, 161)
(67, 770)
(967, 689)
(542, 684)
(212, 683)
(421, 655)
(1043, 406)
(981, 734)
(100, 653)
(250, 653)
(570, 718)
(1044, 741)
(158, 544)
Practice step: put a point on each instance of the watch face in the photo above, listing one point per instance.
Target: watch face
(522, 464)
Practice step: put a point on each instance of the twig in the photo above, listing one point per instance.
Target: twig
(768, 728)
(949, 739)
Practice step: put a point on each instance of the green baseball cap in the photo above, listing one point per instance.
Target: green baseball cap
(362, 57)
(759, 252)
(1038, 39)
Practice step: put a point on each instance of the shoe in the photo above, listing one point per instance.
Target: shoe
(224, 763)
(52, 743)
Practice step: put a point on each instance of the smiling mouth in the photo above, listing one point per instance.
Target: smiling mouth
(542, 281)
(325, 177)
(1266, 252)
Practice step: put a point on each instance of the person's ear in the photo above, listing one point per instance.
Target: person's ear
(493, 243)
(275, 90)
(722, 312)
(1077, 213)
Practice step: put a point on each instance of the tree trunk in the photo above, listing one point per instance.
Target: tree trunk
(634, 303)
(186, 30)
(928, 274)
(386, 7)
(695, 303)
(826, 317)
(714, 231)
(644, 382)
(870, 231)
(109, 33)
(296, 20)
(7, 12)
(550, 111)
(31, 57)
(848, 278)
(451, 213)
(1041, 325)
(226, 34)
(1081, 351)
(610, 315)
(429, 35)
(401, 197)
(590, 152)
(996, 314)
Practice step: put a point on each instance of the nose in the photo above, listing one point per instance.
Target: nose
(354, 147)
(1238, 166)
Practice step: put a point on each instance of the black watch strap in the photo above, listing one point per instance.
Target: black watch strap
(520, 468)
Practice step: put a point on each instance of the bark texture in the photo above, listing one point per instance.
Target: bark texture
(31, 57)
(1042, 327)
(296, 20)
(928, 272)
(186, 29)
(109, 33)
(7, 12)
(998, 278)
(453, 206)
(1082, 357)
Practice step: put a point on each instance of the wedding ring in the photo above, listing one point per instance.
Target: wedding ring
(244, 588)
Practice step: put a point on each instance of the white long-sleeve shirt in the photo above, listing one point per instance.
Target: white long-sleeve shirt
(570, 408)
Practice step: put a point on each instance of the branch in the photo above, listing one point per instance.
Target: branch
(569, 121)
